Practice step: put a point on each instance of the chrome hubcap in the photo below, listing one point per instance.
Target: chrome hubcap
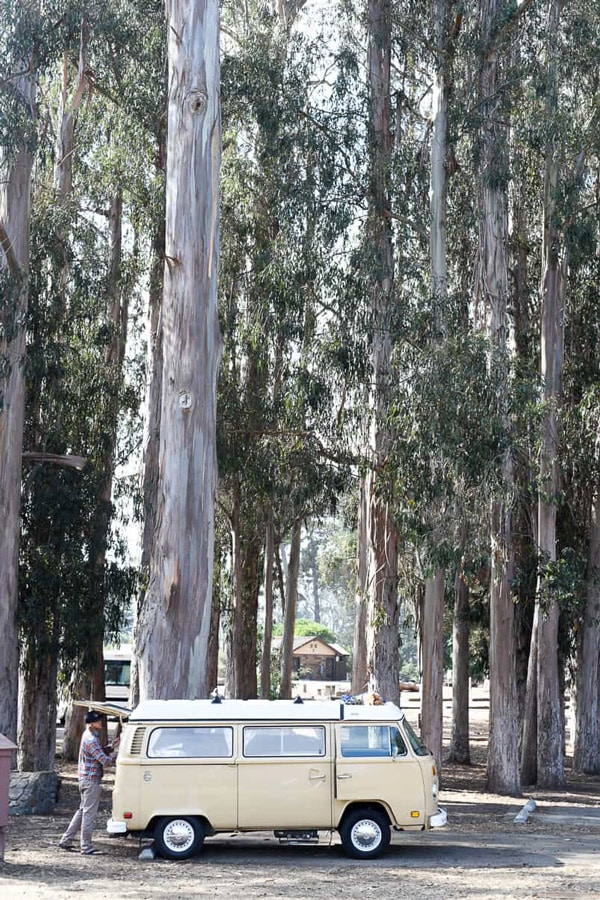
(366, 834)
(179, 835)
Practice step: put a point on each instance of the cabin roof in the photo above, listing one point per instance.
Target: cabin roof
(301, 641)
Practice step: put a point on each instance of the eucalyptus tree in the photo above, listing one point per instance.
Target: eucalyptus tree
(380, 530)
(550, 767)
(174, 623)
(40, 608)
(77, 392)
(497, 25)
(445, 26)
(20, 24)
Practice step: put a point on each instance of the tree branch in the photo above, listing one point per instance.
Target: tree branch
(68, 459)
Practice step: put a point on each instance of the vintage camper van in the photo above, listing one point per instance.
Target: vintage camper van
(188, 769)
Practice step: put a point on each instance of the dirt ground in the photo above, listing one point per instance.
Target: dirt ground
(481, 853)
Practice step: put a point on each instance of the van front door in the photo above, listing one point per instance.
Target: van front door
(285, 777)
(373, 764)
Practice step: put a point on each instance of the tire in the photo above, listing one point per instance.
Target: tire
(178, 837)
(365, 833)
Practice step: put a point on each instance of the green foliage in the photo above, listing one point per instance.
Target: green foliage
(307, 628)
(562, 581)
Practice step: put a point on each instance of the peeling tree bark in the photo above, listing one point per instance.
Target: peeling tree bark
(174, 624)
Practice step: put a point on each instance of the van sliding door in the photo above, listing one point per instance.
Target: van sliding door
(285, 777)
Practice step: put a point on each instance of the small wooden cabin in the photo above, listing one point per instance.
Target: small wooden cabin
(317, 660)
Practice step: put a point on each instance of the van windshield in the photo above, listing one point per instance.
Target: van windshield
(414, 740)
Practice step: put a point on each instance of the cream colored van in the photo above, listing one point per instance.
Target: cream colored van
(188, 769)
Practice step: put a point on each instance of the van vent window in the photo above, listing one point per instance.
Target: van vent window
(137, 741)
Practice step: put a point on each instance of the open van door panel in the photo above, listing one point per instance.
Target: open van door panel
(106, 708)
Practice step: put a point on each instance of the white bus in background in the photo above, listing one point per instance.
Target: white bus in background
(117, 674)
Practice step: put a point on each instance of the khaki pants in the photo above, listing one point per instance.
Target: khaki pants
(85, 815)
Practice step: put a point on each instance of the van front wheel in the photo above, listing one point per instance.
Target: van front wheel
(365, 833)
(178, 837)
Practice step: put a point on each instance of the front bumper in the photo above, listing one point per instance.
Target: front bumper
(114, 827)
(439, 820)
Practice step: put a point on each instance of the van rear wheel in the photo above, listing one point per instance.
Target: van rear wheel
(178, 837)
(365, 833)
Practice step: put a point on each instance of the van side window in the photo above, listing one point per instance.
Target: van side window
(371, 740)
(284, 740)
(191, 743)
(117, 672)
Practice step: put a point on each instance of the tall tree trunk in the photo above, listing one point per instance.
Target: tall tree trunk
(150, 476)
(265, 667)
(212, 665)
(80, 687)
(586, 750)
(432, 663)
(459, 744)
(247, 547)
(550, 759)
(359, 648)
(314, 564)
(382, 568)
(37, 714)
(503, 763)
(530, 719)
(174, 624)
(432, 642)
(289, 618)
(15, 187)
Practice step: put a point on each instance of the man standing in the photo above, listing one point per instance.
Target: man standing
(90, 769)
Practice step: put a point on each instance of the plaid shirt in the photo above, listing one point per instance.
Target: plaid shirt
(92, 758)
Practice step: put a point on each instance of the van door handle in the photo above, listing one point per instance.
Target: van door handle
(316, 776)
(347, 775)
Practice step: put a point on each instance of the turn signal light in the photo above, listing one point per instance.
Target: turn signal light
(415, 814)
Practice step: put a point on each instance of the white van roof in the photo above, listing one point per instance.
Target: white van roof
(261, 710)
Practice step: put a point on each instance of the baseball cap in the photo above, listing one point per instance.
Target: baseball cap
(92, 716)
